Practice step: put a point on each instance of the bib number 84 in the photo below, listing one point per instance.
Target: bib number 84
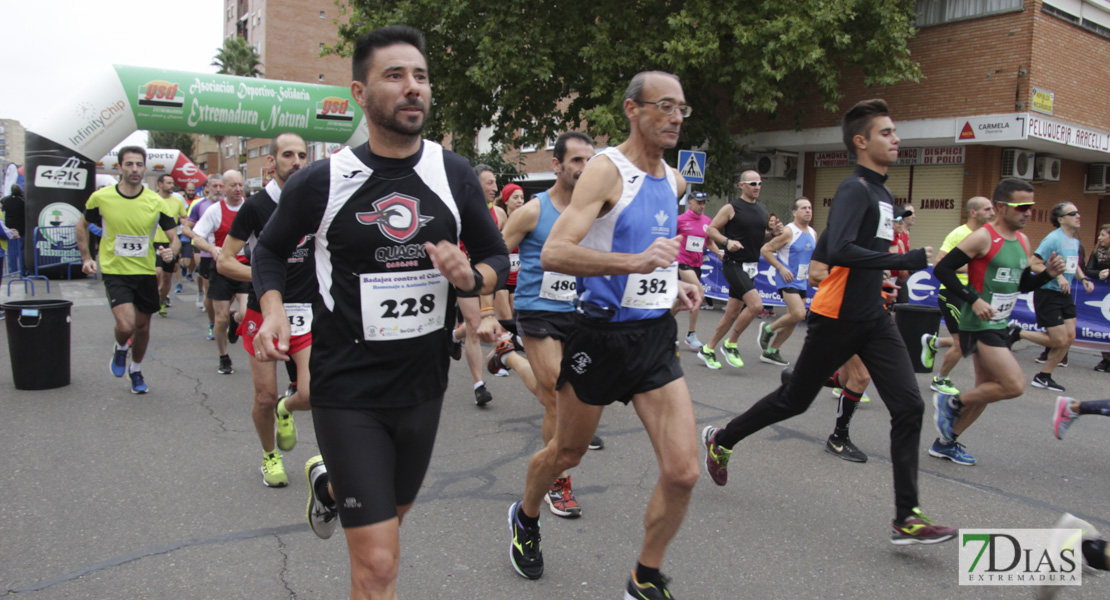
(410, 307)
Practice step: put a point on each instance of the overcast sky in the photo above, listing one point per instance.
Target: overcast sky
(46, 46)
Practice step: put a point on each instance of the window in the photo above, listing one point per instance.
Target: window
(321, 77)
(264, 150)
(321, 14)
(228, 151)
(935, 12)
(252, 153)
(526, 147)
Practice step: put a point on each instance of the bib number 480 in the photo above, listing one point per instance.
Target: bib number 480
(409, 307)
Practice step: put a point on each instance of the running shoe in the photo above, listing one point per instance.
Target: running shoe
(286, 436)
(321, 512)
(716, 457)
(524, 552)
(290, 391)
(943, 385)
(211, 334)
(138, 385)
(1044, 381)
(1013, 336)
(495, 362)
(836, 392)
(200, 300)
(118, 365)
(1042, 357)
(225, 366)
(732, 354)
(1063, 537)
(232, 328)
(597, 443)
(953, 451)
(833, 382)
(560, 499)
(162, 310)
(273, 471)
(944, 415)
(693, 342)
(1103, 365)
(918, 529)
(772, 356)
(765, 335)
(928, 350)
(1064, 361)
(709, 357)
(1063, 417)
(456, 349)
(844, 448)
(178, 289)
(169, 300)
(647, 591)
(482, 396)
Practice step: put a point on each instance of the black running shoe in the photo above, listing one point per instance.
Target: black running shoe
(1013, 336)
(482, 396)
(647, 591)
(232, 328)
(834, 381)
(597, 443)
(1045, 382)
(1042, 358)
(844, 448)
(225, 366)
(524, 552)
(1103, 366)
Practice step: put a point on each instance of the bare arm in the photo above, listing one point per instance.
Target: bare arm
(227, 265)
(88, 264)
(768, 253)
(719, 221)
(520, 223)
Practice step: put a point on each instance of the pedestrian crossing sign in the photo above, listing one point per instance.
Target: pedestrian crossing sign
(692, 165)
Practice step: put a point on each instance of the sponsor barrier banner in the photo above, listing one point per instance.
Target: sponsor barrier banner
(1092, 324)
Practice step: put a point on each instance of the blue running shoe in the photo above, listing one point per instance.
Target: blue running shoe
(119, 362)
(944, 415)
(138, 386)
(953, 451)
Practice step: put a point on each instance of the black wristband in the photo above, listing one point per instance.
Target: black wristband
(479, 282)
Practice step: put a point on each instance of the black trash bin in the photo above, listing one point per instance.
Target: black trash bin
(915, 320)
(38, 342)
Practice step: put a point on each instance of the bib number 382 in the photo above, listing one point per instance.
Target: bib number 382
(654, 290)
(397, 306)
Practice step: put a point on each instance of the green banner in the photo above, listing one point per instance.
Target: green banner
(228, 105)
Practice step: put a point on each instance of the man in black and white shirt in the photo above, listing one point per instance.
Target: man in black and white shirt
(387, 218)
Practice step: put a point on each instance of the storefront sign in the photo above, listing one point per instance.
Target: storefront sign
(1071, 135)
(1042, 100)
(947, 155)
(991, 128)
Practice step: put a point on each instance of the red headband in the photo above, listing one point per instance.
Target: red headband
(508, 191)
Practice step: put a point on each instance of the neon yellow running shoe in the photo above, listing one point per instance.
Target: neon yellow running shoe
(286, 429)
(273, 471)
(732, 354)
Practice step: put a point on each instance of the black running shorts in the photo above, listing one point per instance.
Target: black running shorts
(1052, 307)
(376, 457)
(545, 324)
(139, 290)
(608, 362)
(225, 288)
(789, 290)
(167, 267)
(739, 283)
(950, 307)
(204, 266)
(970, 340)
(696, 270)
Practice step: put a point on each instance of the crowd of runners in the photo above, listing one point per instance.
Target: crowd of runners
(368, 272)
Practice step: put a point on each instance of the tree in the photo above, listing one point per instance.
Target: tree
(172, 139)
(237, 57)
(545, 67)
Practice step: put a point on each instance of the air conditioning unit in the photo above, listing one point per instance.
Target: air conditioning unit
(1018, 163)
(1098, 177)
(1046, 168)
(775, 164)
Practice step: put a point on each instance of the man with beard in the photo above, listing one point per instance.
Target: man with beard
(129, 213)
(214, 193)
(287, 155)
(176, 208)
(387, 217)
(997, 256)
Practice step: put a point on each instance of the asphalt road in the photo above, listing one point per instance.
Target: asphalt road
(104, 494)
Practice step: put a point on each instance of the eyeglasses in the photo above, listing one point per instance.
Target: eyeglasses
(1019, 207)
(752, 183)
(667, 107)
(1074, 213)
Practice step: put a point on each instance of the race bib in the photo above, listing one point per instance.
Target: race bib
(132, 245)
(300, 318)
(695, 244)
(398, 306)
(1071, 264)
(558, 287)
(655, 290)
(886, 222)
(514, 262)
(1003, 305)
(752, 269)
(803, 272)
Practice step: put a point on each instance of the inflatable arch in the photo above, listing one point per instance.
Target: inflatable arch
(64, 147)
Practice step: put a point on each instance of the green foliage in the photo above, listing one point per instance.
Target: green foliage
(172, 139)
(546, 67)
(505, 171)
(237, 57)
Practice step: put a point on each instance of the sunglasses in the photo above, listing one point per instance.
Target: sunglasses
(1074, 213)
(752, 183)
(1020, 207)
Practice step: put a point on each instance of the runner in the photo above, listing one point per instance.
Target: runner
(740, 229)
(545, 299)
(386, 218)
(129, 214)
(618, 237)
(187, 264)
(287, 155)
(1069, 409)
(848, 317)
(222, 290)
(1094, 550)
(1098, 267)
(175, 207)
(214, 194)
(997, 258)
(789, 253)
(693, 227)
(980, 211)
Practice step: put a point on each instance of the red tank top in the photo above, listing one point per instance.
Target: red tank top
(226, 217)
